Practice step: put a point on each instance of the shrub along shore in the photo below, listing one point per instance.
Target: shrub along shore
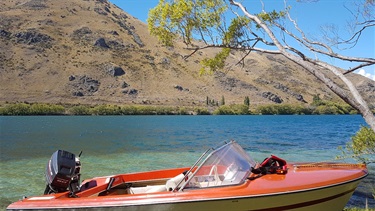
(23, 109)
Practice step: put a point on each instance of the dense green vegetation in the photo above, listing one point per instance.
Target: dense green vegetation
(361, 147)
(31, 109)
(285, 109)
(318, 106)
(321, 107)
(232, 110)
(19, 109)
(326, 107)
(280, 109)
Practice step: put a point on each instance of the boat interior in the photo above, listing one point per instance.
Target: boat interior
(223, 166)
(119, 185)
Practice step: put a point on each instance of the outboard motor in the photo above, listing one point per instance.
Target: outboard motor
(63, 173)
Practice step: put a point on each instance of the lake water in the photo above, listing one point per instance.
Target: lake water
(120, 144)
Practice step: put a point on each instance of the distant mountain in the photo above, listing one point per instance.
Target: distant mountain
(92, 52)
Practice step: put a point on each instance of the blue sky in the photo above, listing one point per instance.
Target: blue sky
(311, 17)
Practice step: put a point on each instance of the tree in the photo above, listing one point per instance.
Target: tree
(266, 32)
(247, 101)
(361, 147)
(222, 102)
(317, 101)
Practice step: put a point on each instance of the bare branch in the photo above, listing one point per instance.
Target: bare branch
(231, 47)
(305, 40)
(310, 45)
(357, 67)
(243, 58)
(193, 52)
(354, 39)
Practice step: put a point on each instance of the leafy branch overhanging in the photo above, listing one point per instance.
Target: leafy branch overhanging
(206, 20)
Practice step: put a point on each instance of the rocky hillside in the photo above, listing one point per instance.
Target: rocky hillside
(92, 52)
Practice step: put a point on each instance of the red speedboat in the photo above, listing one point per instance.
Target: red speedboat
(225, 178)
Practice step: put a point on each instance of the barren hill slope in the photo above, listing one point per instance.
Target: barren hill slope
(92, 52)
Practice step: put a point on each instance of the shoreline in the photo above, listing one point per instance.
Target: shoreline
(42, 109)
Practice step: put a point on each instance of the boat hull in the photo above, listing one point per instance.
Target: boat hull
(330, 198)
(227, 179)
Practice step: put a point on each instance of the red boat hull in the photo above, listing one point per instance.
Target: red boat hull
(323, 186)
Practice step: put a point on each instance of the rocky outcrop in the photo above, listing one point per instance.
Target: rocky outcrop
(103, 1)
(85, 36)
(83, 85)
(72, 78)
(229, 83)
(131, 31)
(4, 33)
(101, 43)
(367, 87)
(282, 88)
(114, 33)
(285, 89)
(101, 11)
(35, 4)
(165, 61)
(180, 88)
(113, 69)
(33, 38)
(124, 85)
(132, 92)
(82, 36)
(82, 32)
(272, 97)
(137, 39)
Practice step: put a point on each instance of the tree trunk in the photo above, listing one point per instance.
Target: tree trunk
(358, 103)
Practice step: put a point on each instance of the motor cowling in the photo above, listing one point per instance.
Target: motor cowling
(62, 173)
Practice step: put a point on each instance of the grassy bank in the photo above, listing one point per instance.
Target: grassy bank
(24, 109)
(21, 109)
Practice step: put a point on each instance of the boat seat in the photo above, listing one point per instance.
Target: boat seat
(234, 178)
(173, 182)
(147, 189)
(208, 181)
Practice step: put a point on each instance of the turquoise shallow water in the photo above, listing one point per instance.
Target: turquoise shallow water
(119, 144)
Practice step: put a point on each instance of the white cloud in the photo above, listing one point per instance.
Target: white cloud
(370, 75)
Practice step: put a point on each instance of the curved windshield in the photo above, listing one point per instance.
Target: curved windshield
(227, 165)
